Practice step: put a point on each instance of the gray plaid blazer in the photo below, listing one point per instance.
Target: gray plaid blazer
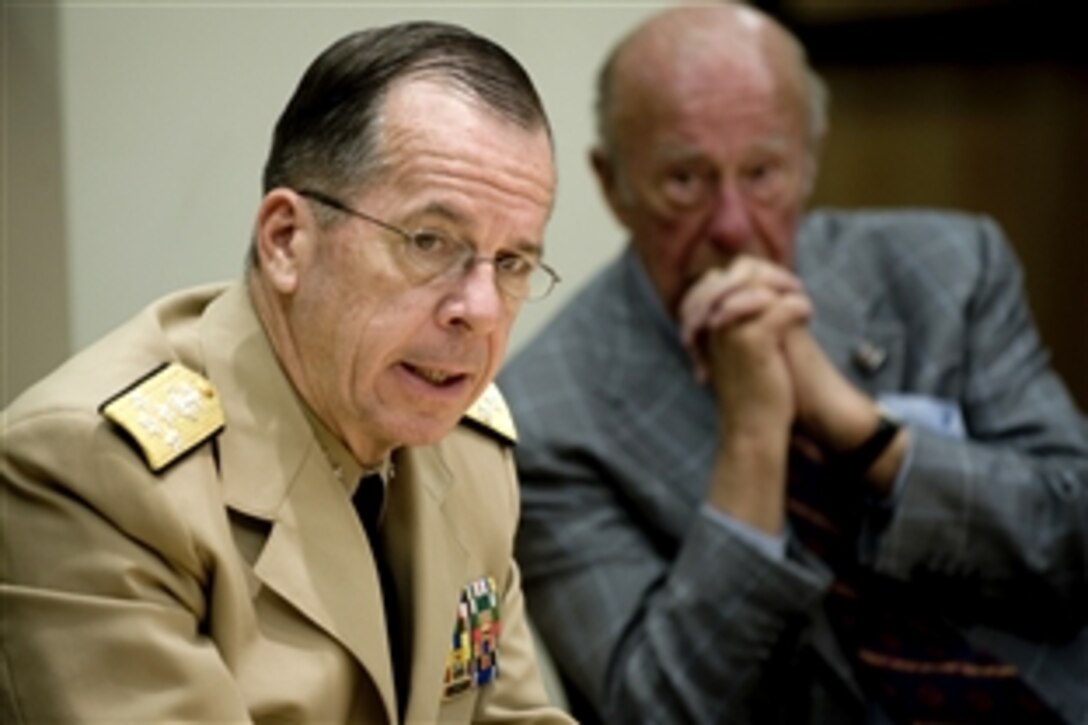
(656, 612)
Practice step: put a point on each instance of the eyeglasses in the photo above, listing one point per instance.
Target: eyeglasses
(427, 254)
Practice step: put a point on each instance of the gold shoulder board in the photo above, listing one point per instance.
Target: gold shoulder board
(491, 413)
(168, 412)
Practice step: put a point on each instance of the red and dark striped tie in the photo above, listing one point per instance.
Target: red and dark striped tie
(905, 649)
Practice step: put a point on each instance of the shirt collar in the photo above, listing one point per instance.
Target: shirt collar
(348, 470)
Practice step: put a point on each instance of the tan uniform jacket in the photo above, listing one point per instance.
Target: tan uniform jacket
(237, 584)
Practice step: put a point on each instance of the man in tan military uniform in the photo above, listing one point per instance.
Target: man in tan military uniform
(178, 535)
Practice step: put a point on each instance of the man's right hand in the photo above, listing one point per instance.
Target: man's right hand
(735, 321)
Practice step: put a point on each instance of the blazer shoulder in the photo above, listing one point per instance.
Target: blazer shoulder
(874, 239)
(843, 227)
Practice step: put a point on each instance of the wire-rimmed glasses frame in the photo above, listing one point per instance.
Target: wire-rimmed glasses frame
(433, 254)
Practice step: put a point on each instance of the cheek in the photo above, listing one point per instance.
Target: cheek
(366, 349)
(386, 319)
(342, 320)
(670, 251)
(778, 228)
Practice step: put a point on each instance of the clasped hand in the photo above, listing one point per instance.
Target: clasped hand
(746, 327)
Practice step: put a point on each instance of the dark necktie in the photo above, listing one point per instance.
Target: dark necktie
(369, 500)
(908, 656)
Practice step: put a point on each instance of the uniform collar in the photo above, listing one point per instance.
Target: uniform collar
(347, 469)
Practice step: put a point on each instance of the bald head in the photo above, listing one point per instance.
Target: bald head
(710, 123)
(666, 59)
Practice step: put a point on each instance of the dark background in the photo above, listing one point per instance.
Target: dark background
(980, 106)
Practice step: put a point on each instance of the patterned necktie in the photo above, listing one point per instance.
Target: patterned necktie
(369, 500)
(907, 655)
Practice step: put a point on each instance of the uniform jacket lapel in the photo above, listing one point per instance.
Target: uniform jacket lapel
(316, 555)
(432, 564)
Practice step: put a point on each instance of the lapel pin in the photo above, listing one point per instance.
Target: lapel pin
(868, 358)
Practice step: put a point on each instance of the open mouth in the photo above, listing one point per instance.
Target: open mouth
(439, 378)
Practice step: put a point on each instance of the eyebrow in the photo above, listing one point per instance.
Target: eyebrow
(444, 211)
(674, 154)
(683, 153)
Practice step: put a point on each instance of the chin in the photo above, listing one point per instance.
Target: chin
(428, 430)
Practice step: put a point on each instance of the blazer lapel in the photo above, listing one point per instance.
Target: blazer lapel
(432, 565)
(316, 556)
(866, 346)
(851, 322)
(864, 343)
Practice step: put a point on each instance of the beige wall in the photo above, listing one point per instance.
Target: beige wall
(34, 289)
(144, 129)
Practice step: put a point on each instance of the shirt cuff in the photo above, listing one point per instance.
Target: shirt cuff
(921, 411)
(773, 546)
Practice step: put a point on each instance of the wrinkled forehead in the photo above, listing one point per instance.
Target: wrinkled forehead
(443, 149)
(694, 52)
(438, 129)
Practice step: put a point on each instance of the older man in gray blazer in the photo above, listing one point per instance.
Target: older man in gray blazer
(746, 378)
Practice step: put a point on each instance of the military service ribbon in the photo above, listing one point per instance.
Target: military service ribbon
(473, 659)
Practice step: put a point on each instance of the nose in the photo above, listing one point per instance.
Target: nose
(475, 301)
(730, 226)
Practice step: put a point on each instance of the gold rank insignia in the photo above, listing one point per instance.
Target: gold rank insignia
(491, 413)
(167, 413)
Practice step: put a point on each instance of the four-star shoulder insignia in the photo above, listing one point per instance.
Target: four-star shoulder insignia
(168, 412)
(491, 413)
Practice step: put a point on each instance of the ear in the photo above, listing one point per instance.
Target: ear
(285, 228)
(608, 179)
